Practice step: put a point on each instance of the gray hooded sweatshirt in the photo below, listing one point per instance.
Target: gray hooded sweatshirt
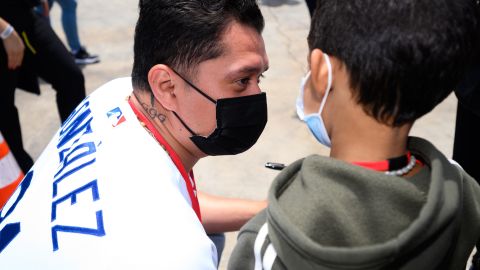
(327, 214)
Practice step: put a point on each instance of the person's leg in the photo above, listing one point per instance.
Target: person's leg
(219, 240)
(10, 123)
(55, 65)
(69, 23)
(467, 144)
(311, 4)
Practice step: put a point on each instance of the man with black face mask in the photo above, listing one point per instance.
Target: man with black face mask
(115, 184)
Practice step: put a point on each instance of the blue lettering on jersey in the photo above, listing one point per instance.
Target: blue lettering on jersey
(73, 196)
(10, 231)
(76, 151)
(7, 234)
(75, 124)
(99, 231)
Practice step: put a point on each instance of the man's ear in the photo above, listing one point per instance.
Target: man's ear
(160, 79)
(319, 72)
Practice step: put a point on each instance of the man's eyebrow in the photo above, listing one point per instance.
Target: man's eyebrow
(248, 70)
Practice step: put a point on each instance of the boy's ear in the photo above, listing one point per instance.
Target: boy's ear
(161, 81)
(319, 72)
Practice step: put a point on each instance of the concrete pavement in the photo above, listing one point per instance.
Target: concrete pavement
(106, 28)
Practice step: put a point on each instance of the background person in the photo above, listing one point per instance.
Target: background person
(311, 5)
(69, 23)
(30, 48)
(467, 129)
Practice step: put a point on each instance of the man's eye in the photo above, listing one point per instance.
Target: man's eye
(244, 81)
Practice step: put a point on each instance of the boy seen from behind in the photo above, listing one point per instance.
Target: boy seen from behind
(382, 200)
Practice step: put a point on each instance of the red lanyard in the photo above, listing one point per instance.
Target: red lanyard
(386, 165)
(190, 182)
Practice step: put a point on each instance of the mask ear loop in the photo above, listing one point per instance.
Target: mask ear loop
(196, 88)
(200, 92)
(329, 82)
(184, 124)
(300, 100)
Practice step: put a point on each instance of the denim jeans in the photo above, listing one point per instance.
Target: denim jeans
(219, 240)
(69, 21)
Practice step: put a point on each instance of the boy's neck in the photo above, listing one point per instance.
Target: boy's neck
(368, 140)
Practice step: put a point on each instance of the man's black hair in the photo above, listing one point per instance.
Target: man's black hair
(184, 33)
(403, 57)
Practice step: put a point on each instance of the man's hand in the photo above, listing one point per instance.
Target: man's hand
(14, 48)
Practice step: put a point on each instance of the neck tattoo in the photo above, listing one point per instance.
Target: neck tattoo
(151, 110)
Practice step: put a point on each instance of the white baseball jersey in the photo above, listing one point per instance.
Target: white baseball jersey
(103, 195)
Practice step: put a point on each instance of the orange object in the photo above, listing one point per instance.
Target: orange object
(10, 173)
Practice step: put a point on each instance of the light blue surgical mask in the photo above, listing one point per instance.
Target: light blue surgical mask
(314, 121)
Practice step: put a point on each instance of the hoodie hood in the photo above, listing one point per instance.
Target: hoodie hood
(352, 218)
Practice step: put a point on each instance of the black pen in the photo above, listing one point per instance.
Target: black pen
(275, 166)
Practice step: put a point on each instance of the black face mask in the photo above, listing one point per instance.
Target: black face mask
(240, 122)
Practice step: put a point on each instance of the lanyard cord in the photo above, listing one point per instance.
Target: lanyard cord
(189, 181)
(393, 166)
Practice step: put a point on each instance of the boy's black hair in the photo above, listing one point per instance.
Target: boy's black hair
(403, 57)
(184, 33)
